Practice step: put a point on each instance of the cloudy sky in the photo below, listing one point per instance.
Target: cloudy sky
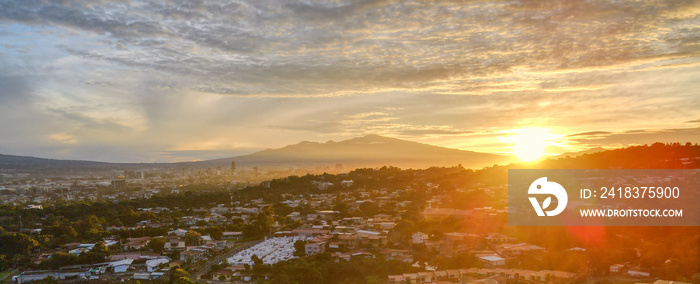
(182, 80)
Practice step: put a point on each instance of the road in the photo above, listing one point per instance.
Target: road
(221, 258)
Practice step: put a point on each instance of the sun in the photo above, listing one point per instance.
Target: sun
(529, 147)
(529, 144)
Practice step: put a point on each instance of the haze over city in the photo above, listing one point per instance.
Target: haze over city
(176, 81)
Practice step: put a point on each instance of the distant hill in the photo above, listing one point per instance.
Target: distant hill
(366, 151)
(581, 153)
(33, 164)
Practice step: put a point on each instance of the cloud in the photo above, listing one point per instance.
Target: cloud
(63, 138)
(158, 75)
(590, 133)
(295, 48)
(640, 137)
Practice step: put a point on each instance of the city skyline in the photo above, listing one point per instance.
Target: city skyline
(143, 82)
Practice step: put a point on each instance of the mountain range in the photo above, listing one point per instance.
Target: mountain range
(366, 151)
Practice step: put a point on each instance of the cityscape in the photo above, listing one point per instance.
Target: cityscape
(350, 141)
(247, 225)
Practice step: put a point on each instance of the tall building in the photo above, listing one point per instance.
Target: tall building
(233, 166)
(119, 183)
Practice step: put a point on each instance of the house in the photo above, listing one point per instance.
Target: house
(120, 266)
(397, 279)
(617, 268)
(219, 245)
(232, 235)
(328, 214)
(81, 248)
(296, 216)
(493, 260)
(484, 276)
(28, 276)
(339, 255)
(174, 243)
(498, 238)
(398, 254)
(153, 264)
(426, 276)
(419, 238)
(226, 275)
(635, 273)
(148, 276)
(361, 254)
(518, 249)
(348, 241)
(191, 255)
(231, 273)
(136, 243)
(315, 246)
(309, 232)
(179, 232)
(371, 238)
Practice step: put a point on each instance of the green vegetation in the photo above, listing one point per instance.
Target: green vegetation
(322, 268)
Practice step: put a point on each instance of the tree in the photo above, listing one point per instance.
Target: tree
(16, 243)
(60, 259)
(175, 254)
(369, 208)
(216, 233)
(257, 262)
(265, 219)
(192, 238)
(183, 280)
(300, 248)
(156, 244)
(177, 273)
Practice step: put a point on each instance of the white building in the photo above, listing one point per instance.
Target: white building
(493, 260)
(312, 247)
(179, 232)
(419, 238)
(120, 266)
(153, 264)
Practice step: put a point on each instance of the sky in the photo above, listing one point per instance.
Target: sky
(137, 81)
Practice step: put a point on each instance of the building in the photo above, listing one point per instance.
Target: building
(518, 249)
(312, 248)
(120, 266)
(136, 243)
(36, 275)
(493, 260)
(419, 238)
(309, 232)
(484, 276)
(118, 184)
(153, 264)
(174, 243)
(232, 235)
(191, 255)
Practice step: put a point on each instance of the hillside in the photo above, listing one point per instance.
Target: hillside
(366, 151)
